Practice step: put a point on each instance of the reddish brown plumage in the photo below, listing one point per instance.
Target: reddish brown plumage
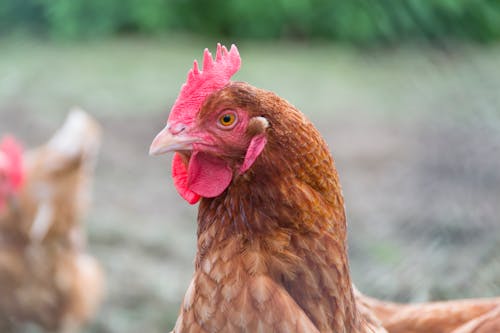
(45, 275)
(271, 225)
(272, 247)
(457, 316)
(272, 231)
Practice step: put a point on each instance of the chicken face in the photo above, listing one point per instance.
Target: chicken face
(214, 139)
(222, 142)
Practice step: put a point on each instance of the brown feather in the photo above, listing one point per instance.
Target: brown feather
(458, 316)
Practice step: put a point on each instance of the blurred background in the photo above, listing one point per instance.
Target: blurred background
(407, 94)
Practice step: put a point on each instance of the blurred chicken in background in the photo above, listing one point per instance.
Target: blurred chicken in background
(46, 278)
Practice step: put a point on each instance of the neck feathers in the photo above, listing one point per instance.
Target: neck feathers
(285, 218)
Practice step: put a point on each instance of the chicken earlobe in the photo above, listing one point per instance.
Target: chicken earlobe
(254, 149)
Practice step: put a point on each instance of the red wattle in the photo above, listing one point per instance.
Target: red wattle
(180, 177)
(205, 176)
(254, 149)
(208, 175)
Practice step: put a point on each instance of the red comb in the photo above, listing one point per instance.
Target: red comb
(199, 84)
(11, 165)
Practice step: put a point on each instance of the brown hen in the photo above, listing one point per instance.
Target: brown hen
(46, 277)
(271, 251)
(271, 223)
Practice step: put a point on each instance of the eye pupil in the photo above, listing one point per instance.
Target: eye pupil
(227, 119)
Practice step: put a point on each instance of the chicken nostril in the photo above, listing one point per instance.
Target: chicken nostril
(176, 129)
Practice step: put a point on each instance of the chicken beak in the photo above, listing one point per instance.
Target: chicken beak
(166, 142)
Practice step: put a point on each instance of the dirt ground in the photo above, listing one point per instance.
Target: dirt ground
(415, 135)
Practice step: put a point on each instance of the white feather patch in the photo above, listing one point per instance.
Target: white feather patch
(42, 222)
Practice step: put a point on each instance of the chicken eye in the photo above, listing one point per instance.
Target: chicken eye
(227, 120)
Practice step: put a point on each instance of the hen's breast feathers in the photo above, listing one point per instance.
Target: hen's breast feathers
(248, 303)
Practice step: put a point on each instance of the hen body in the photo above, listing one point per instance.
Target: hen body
(456, 316)
(272, 247)
(45, 275)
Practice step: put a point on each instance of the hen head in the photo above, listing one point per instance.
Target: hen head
(212, 129)
(11, 169)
